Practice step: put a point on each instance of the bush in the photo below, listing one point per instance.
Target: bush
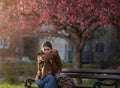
(90, 66)
(67, 65)
(9, 72)
(13, 71)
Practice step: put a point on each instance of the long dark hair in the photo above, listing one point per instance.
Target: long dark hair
(47, 43)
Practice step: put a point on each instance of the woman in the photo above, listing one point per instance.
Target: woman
(49, 65)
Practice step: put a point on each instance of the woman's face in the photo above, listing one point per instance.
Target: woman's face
(46, 49)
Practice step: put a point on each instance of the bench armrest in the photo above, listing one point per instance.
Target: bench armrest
(98, 84)
(28, 83)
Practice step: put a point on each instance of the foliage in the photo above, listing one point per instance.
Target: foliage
(90, 66)
(67, 65)
(30, 14)
(12, 72)
(73, 20)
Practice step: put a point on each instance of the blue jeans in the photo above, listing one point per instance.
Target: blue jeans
(47, 82)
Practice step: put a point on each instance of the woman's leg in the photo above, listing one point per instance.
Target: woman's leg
(48, 81)
(40, 83)
(51, 81)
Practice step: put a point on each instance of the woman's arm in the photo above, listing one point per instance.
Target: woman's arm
(58, 61)
(46, 57)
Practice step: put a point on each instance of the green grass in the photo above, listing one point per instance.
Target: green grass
(91, 84)
(67, 65)
(7, 85)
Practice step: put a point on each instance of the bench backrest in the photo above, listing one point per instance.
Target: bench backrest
(93, 73)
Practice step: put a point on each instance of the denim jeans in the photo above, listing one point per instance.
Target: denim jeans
(47, 82)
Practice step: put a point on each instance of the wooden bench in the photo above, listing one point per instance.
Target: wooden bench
(98, 74)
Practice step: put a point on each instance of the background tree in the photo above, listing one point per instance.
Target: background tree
(118, 41)
(8, 33)
(73, 20)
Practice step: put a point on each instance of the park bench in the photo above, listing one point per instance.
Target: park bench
(99, 74)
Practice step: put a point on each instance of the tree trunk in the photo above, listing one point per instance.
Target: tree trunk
(77, 61)
(76, 57)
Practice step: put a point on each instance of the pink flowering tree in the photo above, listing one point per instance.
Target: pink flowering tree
(73, 20)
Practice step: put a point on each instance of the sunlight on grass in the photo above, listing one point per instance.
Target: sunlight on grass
(6, 85)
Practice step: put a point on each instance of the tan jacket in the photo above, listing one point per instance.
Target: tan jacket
(48, 63)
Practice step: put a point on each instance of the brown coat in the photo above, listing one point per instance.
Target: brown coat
(50, 62)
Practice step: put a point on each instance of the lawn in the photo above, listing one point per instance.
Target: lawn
(6, 85)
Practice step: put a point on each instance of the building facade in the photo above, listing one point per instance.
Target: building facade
(99, 49)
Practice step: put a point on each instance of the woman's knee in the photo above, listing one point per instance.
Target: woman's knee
(51, 82)
(39, 83)
(50, 77)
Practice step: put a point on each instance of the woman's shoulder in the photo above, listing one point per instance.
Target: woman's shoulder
(55, 51)
(40, 53)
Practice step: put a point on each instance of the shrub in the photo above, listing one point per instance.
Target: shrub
(13, 71)
(9, 72)
(90, 66)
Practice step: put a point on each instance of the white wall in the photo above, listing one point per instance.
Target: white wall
(59, 44)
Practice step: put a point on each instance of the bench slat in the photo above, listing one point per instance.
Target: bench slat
(95, 76)
(99, 71)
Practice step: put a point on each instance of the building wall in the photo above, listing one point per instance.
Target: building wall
(30, 47)
(61, 46)
(102, 49)
(7, 49)
(95, 51)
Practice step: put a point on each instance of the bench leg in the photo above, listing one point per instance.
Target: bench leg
(28, 83)
(116, 84)
(98, 84)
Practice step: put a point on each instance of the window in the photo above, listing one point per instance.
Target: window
(100, 47)
(4, 42)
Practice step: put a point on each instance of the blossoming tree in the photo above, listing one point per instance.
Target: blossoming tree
(73, 20)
